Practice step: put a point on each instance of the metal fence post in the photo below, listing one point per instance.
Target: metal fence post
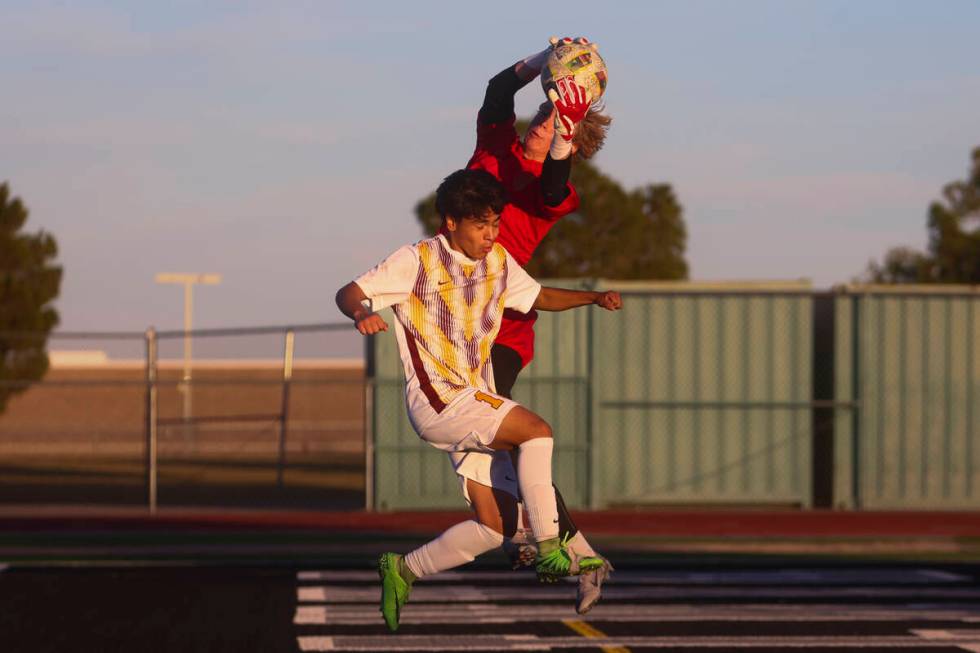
(822, 416)
(369, 375)
(857, 396)
(151, 418)
(593, 500)
(287, 375)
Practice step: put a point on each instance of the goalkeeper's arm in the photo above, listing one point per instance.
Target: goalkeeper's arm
(498, 103)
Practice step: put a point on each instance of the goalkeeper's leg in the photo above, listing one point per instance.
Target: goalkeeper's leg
(507, 366)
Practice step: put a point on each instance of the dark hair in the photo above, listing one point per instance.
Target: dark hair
(470, 194)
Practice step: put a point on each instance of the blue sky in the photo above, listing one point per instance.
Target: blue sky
(284, 145)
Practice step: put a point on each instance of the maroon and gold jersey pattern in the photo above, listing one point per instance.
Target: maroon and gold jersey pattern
(451, 318)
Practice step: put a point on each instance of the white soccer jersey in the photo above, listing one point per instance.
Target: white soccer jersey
(448, 307)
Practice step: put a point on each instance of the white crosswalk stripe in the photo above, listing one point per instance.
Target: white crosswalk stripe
(503, 643)
(764, 577)
(789, 608)
(423, 593)
(447, 613)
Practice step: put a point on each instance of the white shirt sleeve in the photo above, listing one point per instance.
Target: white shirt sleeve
(522, 290)
(390, 282)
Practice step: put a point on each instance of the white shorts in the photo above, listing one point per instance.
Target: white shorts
(494, 470)
(464, 430)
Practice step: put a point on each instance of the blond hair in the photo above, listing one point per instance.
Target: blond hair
(590, 135)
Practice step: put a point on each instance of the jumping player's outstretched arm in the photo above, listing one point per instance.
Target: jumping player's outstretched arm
(562, 299)
(498, 103)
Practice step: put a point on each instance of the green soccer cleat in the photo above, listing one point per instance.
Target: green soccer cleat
(554, 565)
(394, 589)
(560, 562)
(585, 564)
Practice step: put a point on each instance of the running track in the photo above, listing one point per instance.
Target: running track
(867, 608)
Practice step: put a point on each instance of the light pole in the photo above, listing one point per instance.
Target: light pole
(188, 281)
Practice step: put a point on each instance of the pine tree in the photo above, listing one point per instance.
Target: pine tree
(954, 230)
(28, 284)
(954, 240)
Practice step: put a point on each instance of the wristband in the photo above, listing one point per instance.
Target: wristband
(560, 148)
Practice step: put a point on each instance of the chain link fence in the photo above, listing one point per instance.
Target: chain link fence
(257, 417)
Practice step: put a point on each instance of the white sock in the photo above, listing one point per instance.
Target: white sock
(580, 546)
(534, 478)
(456, 546)
(522, 535)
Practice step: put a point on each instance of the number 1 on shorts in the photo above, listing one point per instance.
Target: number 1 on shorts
(488, 399)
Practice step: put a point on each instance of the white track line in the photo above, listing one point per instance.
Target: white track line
(489, 613)
(797, 576)
(517, 643)
(938, 574)
(422, 593)
(966, 639)
(968, 633)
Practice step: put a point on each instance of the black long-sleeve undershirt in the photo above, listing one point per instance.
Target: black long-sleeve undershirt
(498, 106)
(554, 180)
(498, 102)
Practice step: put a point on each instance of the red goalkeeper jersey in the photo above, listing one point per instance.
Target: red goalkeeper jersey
(525, 220)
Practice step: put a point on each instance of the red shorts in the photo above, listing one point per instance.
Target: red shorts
(517, 332)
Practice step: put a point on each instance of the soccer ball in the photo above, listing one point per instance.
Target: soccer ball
(579, 62)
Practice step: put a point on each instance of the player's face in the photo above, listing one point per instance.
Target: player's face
(474, 236)
(537, 141)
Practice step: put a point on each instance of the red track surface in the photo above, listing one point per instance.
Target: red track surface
(663, 523)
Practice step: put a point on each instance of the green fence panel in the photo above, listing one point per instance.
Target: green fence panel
(918, 382)
(702, 395)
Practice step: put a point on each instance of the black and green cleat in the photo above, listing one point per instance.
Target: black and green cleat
(585, 564)
(561, 562)
(394, 589)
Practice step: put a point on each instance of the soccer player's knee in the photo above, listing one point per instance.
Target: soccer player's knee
(540, 428)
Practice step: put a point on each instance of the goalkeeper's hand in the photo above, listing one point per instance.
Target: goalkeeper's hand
(571, 105)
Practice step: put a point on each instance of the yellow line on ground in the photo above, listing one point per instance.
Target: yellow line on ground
(585, 630)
